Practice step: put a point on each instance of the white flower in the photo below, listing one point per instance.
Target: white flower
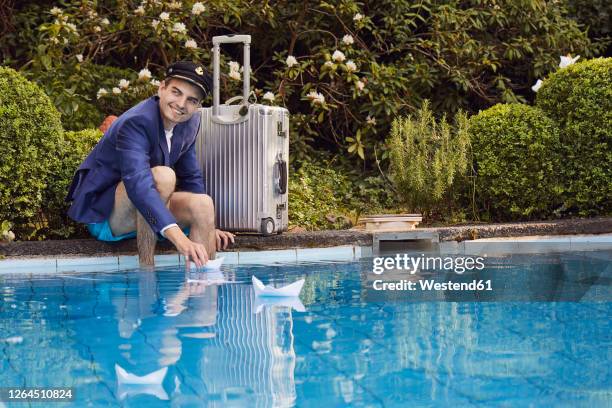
(79, 57)
(140, 10)
(269, 96)
(71, 26)
(116, 91)
(190, 43)
(154, 23)
(144, 75)
(175, 5)
(291, 61)
(328, 64)
(102, 92)
(235, 75)
(105, 21)
(347, 39)
(164, 16)
(370, 120)
(338, 56)
(234, 66)
(537, 86)
(124, 83)
(567, 60)
(197, 9)
(97, 29)
(360, 85)
(155, 82)
(358, 17)
(56, 11)
(8, 236)
(350, 66)
(179, 28)
(316, 97)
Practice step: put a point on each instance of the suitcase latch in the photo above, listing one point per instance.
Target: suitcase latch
(281, 132)
(279, 210)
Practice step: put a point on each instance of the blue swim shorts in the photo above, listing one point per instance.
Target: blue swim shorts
(102, 232)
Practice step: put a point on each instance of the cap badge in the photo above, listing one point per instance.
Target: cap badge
(199, 71)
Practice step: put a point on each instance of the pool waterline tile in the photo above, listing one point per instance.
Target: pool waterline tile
(88, 264)
(47, 265)
(338, 253)
(267, 257)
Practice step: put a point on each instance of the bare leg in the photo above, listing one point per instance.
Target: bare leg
(196, 211)
(125, 218)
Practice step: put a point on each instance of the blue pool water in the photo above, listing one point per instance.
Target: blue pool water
(217, 345)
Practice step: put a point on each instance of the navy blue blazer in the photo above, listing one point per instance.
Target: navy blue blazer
(135, 143)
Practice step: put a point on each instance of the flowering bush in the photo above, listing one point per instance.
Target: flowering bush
(342, 70)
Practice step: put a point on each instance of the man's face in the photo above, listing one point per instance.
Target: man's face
(178, 100)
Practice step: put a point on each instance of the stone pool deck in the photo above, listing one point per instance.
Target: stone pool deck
(318, 239)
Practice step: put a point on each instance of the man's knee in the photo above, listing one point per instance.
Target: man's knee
(165, 179)
(202, 207)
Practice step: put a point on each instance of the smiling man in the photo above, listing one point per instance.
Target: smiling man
(142, 179)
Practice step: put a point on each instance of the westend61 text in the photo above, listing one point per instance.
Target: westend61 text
(430, 284)
(412, 264)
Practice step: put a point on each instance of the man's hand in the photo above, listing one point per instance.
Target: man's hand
(192, 251)
(223, 239)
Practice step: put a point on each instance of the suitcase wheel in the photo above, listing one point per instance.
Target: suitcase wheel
(267, 226)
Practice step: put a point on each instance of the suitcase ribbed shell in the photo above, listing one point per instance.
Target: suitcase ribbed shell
(240, 164)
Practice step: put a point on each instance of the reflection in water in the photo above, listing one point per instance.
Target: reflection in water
(247, 347)
(252, 354)
(218, 345)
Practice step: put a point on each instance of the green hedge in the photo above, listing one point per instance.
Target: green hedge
(76, 147)
(515, 158)
(579, 98)
(30, 134)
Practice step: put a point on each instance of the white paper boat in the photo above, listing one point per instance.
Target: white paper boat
(129, 384)
(262, 302)
(212, 265)
(293, 289)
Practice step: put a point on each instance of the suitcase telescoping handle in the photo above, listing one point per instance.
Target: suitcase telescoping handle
(246, 74)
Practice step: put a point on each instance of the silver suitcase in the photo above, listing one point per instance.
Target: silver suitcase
(244, 150)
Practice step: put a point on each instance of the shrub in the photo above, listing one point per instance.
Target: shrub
(75, 148)
(515, 158)
(579, 98)
(426, 156)
(30, 133)
(315, 197)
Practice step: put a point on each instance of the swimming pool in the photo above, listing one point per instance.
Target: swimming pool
(205, 340)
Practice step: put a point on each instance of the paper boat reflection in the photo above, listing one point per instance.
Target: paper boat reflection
(129, 384)
(262, 302)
